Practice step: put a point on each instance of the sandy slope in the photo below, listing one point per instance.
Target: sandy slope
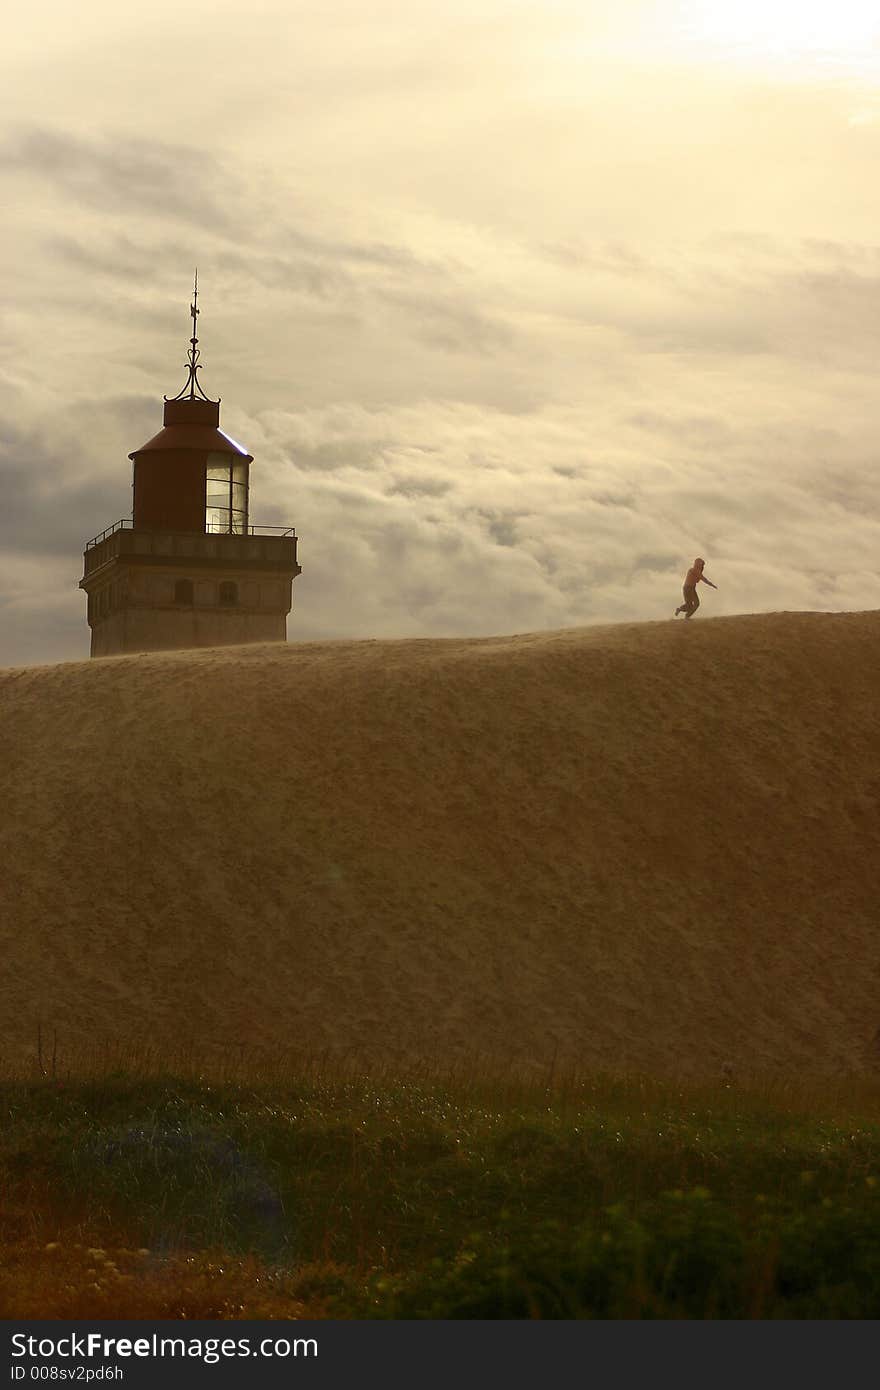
(654, 846)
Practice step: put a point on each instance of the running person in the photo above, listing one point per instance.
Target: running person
(689, 589)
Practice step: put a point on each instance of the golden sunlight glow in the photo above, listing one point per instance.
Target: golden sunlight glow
(841, 33)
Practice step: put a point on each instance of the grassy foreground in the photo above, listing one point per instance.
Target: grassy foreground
(127, 1195)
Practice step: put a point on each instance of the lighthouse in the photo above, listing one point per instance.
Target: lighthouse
(188, 568)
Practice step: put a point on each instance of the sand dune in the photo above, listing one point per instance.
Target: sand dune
(651, 846)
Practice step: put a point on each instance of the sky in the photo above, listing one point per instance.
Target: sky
(519, 307)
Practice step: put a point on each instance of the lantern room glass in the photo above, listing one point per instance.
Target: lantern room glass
(226, 495)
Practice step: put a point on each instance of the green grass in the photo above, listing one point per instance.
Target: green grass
(419, 1198)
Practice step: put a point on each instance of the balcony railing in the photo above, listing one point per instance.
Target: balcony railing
(261, 547)
(127, 524)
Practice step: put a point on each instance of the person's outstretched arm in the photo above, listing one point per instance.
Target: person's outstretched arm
(708, 581)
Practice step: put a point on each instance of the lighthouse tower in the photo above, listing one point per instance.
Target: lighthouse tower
(188, 569)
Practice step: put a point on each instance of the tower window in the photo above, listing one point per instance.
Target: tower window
(183, 591)
(226, 500)
(228, 593)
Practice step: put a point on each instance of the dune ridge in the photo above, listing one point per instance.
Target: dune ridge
(650, 846)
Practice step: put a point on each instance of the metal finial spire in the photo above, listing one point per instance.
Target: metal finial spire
(193, 385)
(194, 307)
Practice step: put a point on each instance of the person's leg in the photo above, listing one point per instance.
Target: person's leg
(693, 603)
